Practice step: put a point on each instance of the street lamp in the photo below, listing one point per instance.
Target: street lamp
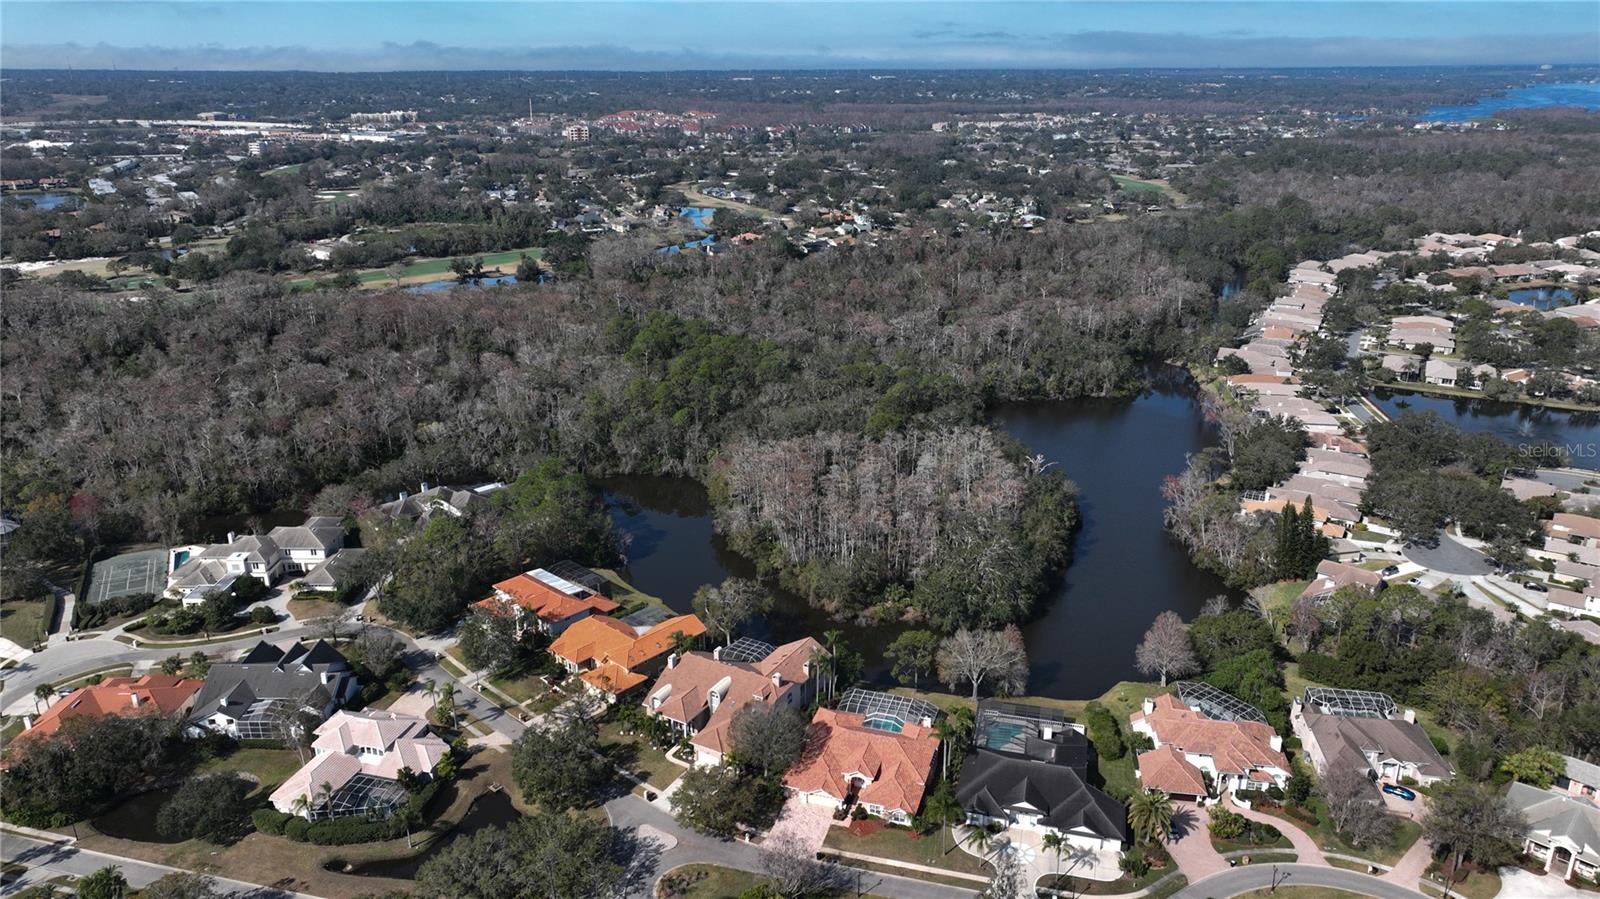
(1277, 881)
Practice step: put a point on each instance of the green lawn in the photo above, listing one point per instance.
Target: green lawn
(1135, 186)
(635, 753)
(441, 266)
(523, 687)
(631, 598)
(705, 882)
(293, 169)
(270, 766)
(24, 621)
(903, 846)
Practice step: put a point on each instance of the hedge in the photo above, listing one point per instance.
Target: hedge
(357, 829)
(270, 820)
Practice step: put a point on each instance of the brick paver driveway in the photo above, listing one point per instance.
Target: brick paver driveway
(1192, 848)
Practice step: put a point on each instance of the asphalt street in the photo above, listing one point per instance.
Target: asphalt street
(1450, 557)
(1255, 877)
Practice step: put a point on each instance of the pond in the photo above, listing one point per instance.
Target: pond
(1541, 297)
(43, 201)
(453, 283)
(135, 819)
(1522, 426)
(489, 810)
(1125, 567)
(1539, 96)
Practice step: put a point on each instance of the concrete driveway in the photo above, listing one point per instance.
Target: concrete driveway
(1449, 557)
(1524, 885)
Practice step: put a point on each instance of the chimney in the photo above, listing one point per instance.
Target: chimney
(1149, 705)
(1277, 743)
(672, 660)
(404, 496)
(424, 486)
(717, 653)
(232, 537)
(1047, 732)
(1410, 715)
(134, 698)
(777, 679)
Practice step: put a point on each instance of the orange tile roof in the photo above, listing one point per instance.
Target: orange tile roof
(607, 643)
(1235, 747)
(592, 639)
(1166, 769)
(610, 678)
(840, 745)
(153, 694)
(545, 601)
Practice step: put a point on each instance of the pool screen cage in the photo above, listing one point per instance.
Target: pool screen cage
(1216, 704)
(1350, 703)
(364, 794)
(587, 578)
(746, 649)
(1007, 726)
(873, 705)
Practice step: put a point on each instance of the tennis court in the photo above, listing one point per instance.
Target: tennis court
(129, 573)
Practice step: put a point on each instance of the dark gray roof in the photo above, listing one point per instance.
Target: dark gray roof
(994, 784)
(334, 571)
(1346, 740)
(1552, 815)
(267, 672)
(1583, 772)
(1017, 729)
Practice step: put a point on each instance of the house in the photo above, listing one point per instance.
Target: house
(1236, 754)
(152, 694)
(1383, 748)
(548, 601)
(1573, 602)
(1331, 576)
(1438, 371)
(613, 657)
(419, 508)
(196, 571)
(699, 692)
(336, 574)
(260, 694)
(356, 764)
(850, 758)
(1579, 529)
(1581, 779)
(1563, 832)
(1029, 769)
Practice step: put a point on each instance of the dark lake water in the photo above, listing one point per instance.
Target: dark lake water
(1517, 424)
(453, 283)
(489, 810)
(1538, 96)
(1125, 569)
(136, 818)
(1541, 297)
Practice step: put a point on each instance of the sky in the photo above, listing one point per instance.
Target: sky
(378, 35)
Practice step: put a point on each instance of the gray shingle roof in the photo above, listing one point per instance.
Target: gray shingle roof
(1344, 741)
(992, 783)
(1555, 816)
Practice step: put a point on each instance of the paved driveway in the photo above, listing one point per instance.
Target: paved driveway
(1449, 557)
(799, 824)
(1515, 882)
(1192, 848)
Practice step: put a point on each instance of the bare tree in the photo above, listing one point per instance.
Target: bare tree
(380, 650)
(979, 656)
(1216, 605)
(729, 605)
(1165, 650)
(796, 872)
(1354, 807)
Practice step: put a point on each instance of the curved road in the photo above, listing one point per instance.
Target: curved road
(1450, 556)
(1257, 877)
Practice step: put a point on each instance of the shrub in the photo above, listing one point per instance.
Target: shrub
(296, 829)
(1227, 825)
(270, 820)
(262, 615)
(1103, 731)
(1275, 792)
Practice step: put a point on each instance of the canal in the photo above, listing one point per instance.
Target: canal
(1523, 426)
(1125, 568)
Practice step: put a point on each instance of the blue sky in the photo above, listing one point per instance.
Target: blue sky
(656, 34)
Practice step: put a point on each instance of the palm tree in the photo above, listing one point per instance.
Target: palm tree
(982, 840)
(326, 793)
(955, 732)
(447, 703)
(943, 810)
(831, 640)
(1150, 815)
(1055, 844)
(300, 804)
(40, 694)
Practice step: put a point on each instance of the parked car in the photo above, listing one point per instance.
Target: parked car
(1390, 571)
(1535, 586)
(1403, 792)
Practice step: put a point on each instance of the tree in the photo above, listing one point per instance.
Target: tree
(172, 664)
(979, 657)
(942, 810)
(767, 737)
(560, 767)
(1104, 732)
(380, 651)
(434, 573)
(1354, 808)
(211, 807)
(1008, 880)
(1165, 650)
(729, 605)
(1535, 765)
(105, 883)
(1057, 845)
(1217, 638)
(547, 855)
(1150, 816)
(489, 640)
(1472, 822)
(794, 871)
(42, 694)
(720, 800)
(914, 654)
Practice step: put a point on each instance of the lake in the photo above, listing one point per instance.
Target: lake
(135, 819)
(1125, 568)
(1515, 423)
(43, 201)
(1541, 297)
(1538, 96)
(453, 283)
(489, 810)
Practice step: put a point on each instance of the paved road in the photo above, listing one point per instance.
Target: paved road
(1449, 557)
(1255, 877)
(54, 859)
(1569, 479)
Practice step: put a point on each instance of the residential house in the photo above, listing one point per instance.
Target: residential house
(547, 601)
(196, 571)
(1573, 602)
(335, 575)
(1383, 748)
(613, 657)
(1331, 576)
(257, 696)
(1563, 832)
(1240, 755)
(850, 758)
(1028, 769)
(1579, 529)
(419, 508)
(152, 694)
(700, 692)
(357, 764)
(1580, 779)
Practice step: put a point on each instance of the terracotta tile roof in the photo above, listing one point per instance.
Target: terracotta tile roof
(593, 639)
(610, 678)
(840, 745)
(616, 649)
(151, 694)
(1166, 769)
(690, 683)
(1235, 747)
(545, 601)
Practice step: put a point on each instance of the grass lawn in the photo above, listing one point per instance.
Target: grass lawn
(706, 882)
(631, 598)
(634, 752)
(292, 169)
(270, 766)
(1138, 186)
(523, 687)
(1405, 835)
(24, 621)
(904, 846)
(1478, 885)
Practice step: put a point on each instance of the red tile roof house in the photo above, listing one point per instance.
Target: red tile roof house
(153, 694)
(1239, 755)
(700, 692)
(612, 658)
(546, 601)
(845, 762)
